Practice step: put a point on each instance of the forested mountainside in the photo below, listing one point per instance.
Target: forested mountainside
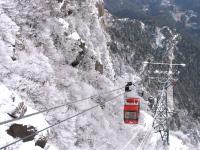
(133, 43)
(182, 18)
(59, 52)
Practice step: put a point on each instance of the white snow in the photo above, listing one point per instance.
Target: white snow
(64, 23)
(29, 145)
(166, 3)
(177, 144)
(159, 37)
(46, 42)
(142, 25)
(145, 8)
(9, 100)
(8, 28)
(74, 36)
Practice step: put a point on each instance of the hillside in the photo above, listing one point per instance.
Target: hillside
(58, 52)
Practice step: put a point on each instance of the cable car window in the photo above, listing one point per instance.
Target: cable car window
(132, 115)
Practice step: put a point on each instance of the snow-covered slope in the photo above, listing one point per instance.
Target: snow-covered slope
(9, 100)
(54, 52)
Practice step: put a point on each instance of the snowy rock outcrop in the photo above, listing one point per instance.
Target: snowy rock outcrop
(55, 52)
(9, 101)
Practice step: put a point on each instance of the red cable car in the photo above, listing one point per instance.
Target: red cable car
(131, 110)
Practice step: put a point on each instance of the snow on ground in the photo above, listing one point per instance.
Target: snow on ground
(177, 144)
(64, 23)
(166, 3)
(29, 145)
(159, 37)
(74, 36)
(142, 25)
(45, 43)
(9, 100)
(145, 8)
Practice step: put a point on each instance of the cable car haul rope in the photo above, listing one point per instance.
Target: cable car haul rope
(131, 111)
(61, 121)
(56, 107)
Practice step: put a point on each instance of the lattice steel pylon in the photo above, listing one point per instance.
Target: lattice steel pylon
(161, 115)
(164, 103)
(163, 73)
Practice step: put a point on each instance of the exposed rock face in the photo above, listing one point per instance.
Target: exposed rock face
(19, 111)
(41, 142)
(100, 6)
(12, 106)
(99, 67)
(21, 131)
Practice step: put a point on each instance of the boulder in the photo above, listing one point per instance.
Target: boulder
(21, 131)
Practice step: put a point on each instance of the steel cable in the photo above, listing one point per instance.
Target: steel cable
(52, 108)
(59, 122)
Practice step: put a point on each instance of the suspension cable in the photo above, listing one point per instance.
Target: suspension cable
(52, 108)
(146, 137)
(59, 122)
(179, 94)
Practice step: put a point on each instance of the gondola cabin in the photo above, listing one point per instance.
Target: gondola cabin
(131, 110)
